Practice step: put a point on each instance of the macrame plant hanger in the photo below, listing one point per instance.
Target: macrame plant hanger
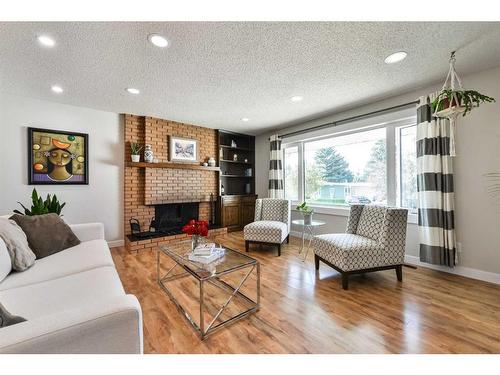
(454, 108)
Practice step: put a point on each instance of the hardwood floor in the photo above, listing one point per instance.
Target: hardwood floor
(305, 312)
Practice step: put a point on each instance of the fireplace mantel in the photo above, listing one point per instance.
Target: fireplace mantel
(172, 166)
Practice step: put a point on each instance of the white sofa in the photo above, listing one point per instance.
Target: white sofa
(73, 301)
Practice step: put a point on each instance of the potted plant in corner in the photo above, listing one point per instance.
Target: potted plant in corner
(307, 212)
(135, 152)
(40, 206)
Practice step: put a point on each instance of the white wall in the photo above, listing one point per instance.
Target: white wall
(102, 199)
(478, 148)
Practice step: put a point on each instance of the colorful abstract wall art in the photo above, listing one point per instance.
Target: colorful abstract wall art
(57, 157)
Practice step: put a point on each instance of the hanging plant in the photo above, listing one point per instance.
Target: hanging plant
(459, 101)
(453, 100)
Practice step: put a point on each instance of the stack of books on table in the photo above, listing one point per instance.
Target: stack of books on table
(206, 253)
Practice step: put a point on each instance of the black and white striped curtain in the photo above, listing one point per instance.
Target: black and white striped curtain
(275, 169)
(436, 195)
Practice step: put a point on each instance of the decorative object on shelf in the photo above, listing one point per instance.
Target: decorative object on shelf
(135, 152)
(233, 143)
(453, 100)
(57, 157)
(183, 149)
(248, 172)
(211, 162)
(148, 154)
(205, 164)
(42, 207)
(248, 188)
(222, 190)
(221, 153)
(246, 160)
(235, 157)
(307, 212)
(196, 229)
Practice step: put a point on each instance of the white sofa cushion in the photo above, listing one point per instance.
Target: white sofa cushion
(83, 257)
(54, 296)
(5, 262)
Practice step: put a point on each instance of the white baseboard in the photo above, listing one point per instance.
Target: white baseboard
(471, 273)
(116, 243)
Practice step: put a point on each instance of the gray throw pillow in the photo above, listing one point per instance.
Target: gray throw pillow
(16, 242)
(47, 234)
(7, 319)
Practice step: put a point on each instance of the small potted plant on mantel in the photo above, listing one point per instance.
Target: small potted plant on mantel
(307, 212)
(135, 152)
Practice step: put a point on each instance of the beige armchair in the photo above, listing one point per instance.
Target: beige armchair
(374, 240)
(271, 225)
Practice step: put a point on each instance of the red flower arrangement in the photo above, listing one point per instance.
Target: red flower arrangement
(198, 227)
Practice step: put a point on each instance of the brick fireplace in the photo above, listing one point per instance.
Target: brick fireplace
(149, 186)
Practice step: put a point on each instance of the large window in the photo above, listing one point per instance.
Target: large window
(407, 167)
(367, 165)
(346, 169)
(291, 162)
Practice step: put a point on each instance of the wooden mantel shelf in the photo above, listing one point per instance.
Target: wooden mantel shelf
(172, 165)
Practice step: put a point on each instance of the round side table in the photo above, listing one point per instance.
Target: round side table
(307, 229)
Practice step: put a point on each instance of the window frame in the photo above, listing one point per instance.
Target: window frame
(300, 169)
(392, 153)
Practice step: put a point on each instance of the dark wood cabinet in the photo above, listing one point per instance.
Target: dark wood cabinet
(236, 207)
(236, 211)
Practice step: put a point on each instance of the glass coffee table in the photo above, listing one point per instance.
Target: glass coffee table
(233, 264)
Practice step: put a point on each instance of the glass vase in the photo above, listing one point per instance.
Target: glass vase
(195, 241)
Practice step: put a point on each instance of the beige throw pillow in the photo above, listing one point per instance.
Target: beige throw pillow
(17, 245)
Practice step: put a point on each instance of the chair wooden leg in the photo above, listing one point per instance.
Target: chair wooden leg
(279, 250)
(247, 246)
(288, 239)
(316, 262)
(345, 281)
(399, 272)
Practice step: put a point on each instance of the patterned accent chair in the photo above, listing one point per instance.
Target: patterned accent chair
(374, 240)
(271, 225)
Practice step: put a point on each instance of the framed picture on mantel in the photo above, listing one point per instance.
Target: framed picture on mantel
(183, 150)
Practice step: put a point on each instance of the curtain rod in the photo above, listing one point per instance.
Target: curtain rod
(349, 119)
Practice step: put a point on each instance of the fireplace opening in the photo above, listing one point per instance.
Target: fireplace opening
(171, 217)
(168, 221)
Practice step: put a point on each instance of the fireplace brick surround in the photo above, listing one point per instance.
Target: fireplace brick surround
(145, 187)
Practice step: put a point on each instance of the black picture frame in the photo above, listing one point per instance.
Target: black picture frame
(31, 180)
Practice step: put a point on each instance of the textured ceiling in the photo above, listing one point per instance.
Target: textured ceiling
(213, 74)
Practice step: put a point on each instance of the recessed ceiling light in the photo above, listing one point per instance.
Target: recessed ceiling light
(296, 98)
(158, 40)
(245, 119)
(46, 41)
(395, 57)
(131, 90)
(57, 89)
